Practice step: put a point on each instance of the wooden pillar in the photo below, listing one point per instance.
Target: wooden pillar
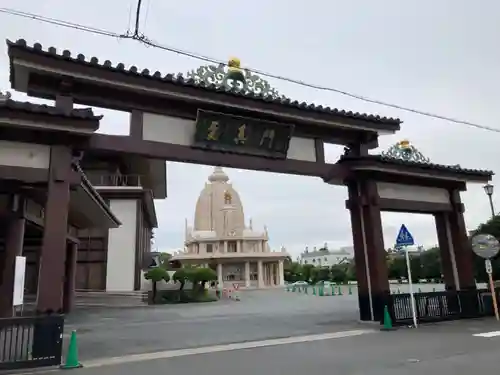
(53, 250)
(360, 252)
(13, 247)
(447, 254)
(70, 273)
(379, 280)
(461, 244)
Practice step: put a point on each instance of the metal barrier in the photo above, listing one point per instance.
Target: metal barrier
(28, 342)
(439, 306)
(433, 306)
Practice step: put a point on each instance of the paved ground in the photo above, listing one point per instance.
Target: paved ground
(445, 348)
(259, 315)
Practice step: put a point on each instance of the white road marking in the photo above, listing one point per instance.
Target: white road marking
(223, 348)
(211, 349)
(488, 334)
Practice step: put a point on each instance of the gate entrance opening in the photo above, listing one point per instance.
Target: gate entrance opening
(229, 117)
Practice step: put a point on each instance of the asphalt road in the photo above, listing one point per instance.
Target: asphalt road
(259, 315)
(445, 348)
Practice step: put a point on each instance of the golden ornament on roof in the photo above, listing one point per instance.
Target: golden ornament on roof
(234, 70)
(404, 143)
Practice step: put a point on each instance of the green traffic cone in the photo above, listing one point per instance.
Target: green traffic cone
(387, 321)
(72, 356)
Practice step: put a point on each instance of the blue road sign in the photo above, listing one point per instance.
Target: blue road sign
(404, 237)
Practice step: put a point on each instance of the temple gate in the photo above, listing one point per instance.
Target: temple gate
(227, 116)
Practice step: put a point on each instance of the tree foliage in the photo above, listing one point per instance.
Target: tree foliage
(155, 275)
(423, 265)
(181, 276)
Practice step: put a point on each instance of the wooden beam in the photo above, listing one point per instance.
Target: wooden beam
(186, 154)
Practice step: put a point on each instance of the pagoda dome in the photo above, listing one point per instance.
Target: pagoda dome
(219, 207)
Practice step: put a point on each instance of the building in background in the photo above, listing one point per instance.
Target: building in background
(220, 239)
(111, 260)
(417, 249)
(325, 257)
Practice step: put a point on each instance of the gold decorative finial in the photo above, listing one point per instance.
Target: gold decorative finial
(234, 62)
(227, 197)
(234, 70)
(404, 143)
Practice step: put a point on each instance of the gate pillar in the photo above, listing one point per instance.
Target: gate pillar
(461, 244)
(446, 251)
(70, 276)
(53, 250)
(369, 251)
(360, 252)
(377, 258)
(457, 258)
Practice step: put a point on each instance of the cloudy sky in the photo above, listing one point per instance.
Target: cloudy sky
(437, 56)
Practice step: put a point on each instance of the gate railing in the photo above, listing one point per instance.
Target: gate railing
(28, 342)
(440, 306)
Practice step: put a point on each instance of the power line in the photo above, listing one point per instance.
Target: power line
(137, 18)
(54, 21)
(150, 43)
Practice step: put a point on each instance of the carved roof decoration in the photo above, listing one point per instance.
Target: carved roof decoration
(221, 76)
(404, 150)
(81, 114)
(254, 88)
(405, 154)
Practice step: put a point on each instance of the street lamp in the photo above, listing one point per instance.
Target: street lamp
(488, 189)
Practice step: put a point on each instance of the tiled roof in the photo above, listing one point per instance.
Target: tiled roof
(181, 81)
(82, 114)
(435, 167)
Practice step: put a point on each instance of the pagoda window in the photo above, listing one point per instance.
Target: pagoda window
(231, 247)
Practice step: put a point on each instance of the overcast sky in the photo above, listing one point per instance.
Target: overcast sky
(437, 56)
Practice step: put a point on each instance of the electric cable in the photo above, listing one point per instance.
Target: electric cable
(137, 36)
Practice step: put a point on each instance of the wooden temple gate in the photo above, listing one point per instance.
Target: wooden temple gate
(227, 116)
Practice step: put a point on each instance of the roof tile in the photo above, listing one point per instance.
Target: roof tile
(436, 167)
(82, 114)
(180, 80)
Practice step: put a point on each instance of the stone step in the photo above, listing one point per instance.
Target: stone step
(100, 298)
(103, 294)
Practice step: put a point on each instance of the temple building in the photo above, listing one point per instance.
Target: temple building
(220, 239)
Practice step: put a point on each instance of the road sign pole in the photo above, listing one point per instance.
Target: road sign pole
(489, 271)
(410, 284)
